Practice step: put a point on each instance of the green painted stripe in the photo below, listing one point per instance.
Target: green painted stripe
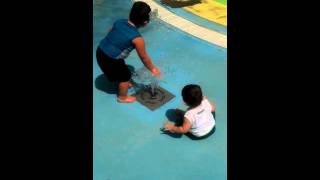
(224, 2)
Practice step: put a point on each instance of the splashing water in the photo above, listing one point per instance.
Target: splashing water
(142, 76)
(145, 79)
(154, 84)
(154, 14)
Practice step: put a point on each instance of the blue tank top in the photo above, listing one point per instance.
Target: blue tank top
(118, 43)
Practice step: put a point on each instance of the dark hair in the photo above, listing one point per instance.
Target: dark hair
(192, 95)
(139, 13)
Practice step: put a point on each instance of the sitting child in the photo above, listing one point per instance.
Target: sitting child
(198, 121)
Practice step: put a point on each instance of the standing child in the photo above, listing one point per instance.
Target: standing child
(198, 121)
(119, 42)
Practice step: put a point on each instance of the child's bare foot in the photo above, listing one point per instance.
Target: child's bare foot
(126, 99)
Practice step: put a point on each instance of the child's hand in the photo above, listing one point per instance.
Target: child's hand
(168, 127)
(156, 72)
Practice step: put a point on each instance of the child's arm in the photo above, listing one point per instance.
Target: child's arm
(213, 106)
(141, 50)
(181, 129)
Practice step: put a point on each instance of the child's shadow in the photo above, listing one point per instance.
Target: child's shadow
(176, 119)
(103, 84)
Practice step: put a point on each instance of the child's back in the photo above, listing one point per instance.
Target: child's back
(201, 118)
(118, 43)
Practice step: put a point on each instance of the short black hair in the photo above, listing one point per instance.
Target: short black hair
(192, 95)
(139, 13)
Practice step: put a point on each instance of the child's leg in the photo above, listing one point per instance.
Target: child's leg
(180, 113)
(122, 93)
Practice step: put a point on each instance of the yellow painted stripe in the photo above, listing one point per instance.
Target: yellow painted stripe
(210, 10)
